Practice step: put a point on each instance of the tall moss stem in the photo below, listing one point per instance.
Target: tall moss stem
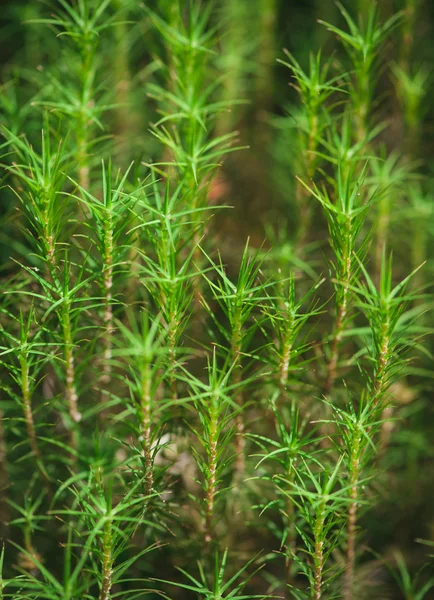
(211, 487)
(237, 375)
(107, 560)
(352, 518)
(145, 422)
(70, 386)
(342, 308)
(318, 558)
(108, 298)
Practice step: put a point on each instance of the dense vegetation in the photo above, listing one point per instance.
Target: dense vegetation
(215, 318)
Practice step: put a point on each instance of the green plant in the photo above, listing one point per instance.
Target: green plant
(172, 394)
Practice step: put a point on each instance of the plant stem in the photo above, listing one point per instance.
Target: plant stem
(380, 387)
(108, 308)
(50, 247)
(48, 241)
(172, 359)
(82, 161)
(27, 406)
(383, 363)
(145, 408)
(352, 518)
(28, 545)
(286, 353)
(107, 560)
(291, 537)
(71, 392)
(284, 364)
(240, 426)
(342, 311)
(212, 472)
(319, 552)
(305, 206)
(337, 339)
(30, 424)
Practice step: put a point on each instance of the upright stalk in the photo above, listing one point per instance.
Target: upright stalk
(172, 357)
(29, 419)
(342, 306)
(211, 486)
(318, 558)
(145, 423)
(352, 517)
(70, 387)
(27, 406)
(237, 376)
(379, 386)
(286, 355)
(383, 362)
(292, 531)
(107, 560)
(108, 297)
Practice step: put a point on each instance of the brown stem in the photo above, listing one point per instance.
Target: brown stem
(30, 424)
(82, 159)
(107, 562)
(145, 403)
(318, 554)
(172, 358)
(212, 481)
(342, 311)
(379, 386)
(108, 307)
(291, 536)
(28, 413)
(70, 389)
(240, 445)
(352, 522)
(284, 363)
(240, 442)
(71, 392)
(51, 250)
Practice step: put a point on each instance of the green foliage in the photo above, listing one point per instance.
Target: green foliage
(172, 394)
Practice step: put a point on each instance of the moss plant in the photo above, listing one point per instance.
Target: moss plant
(187, 414)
